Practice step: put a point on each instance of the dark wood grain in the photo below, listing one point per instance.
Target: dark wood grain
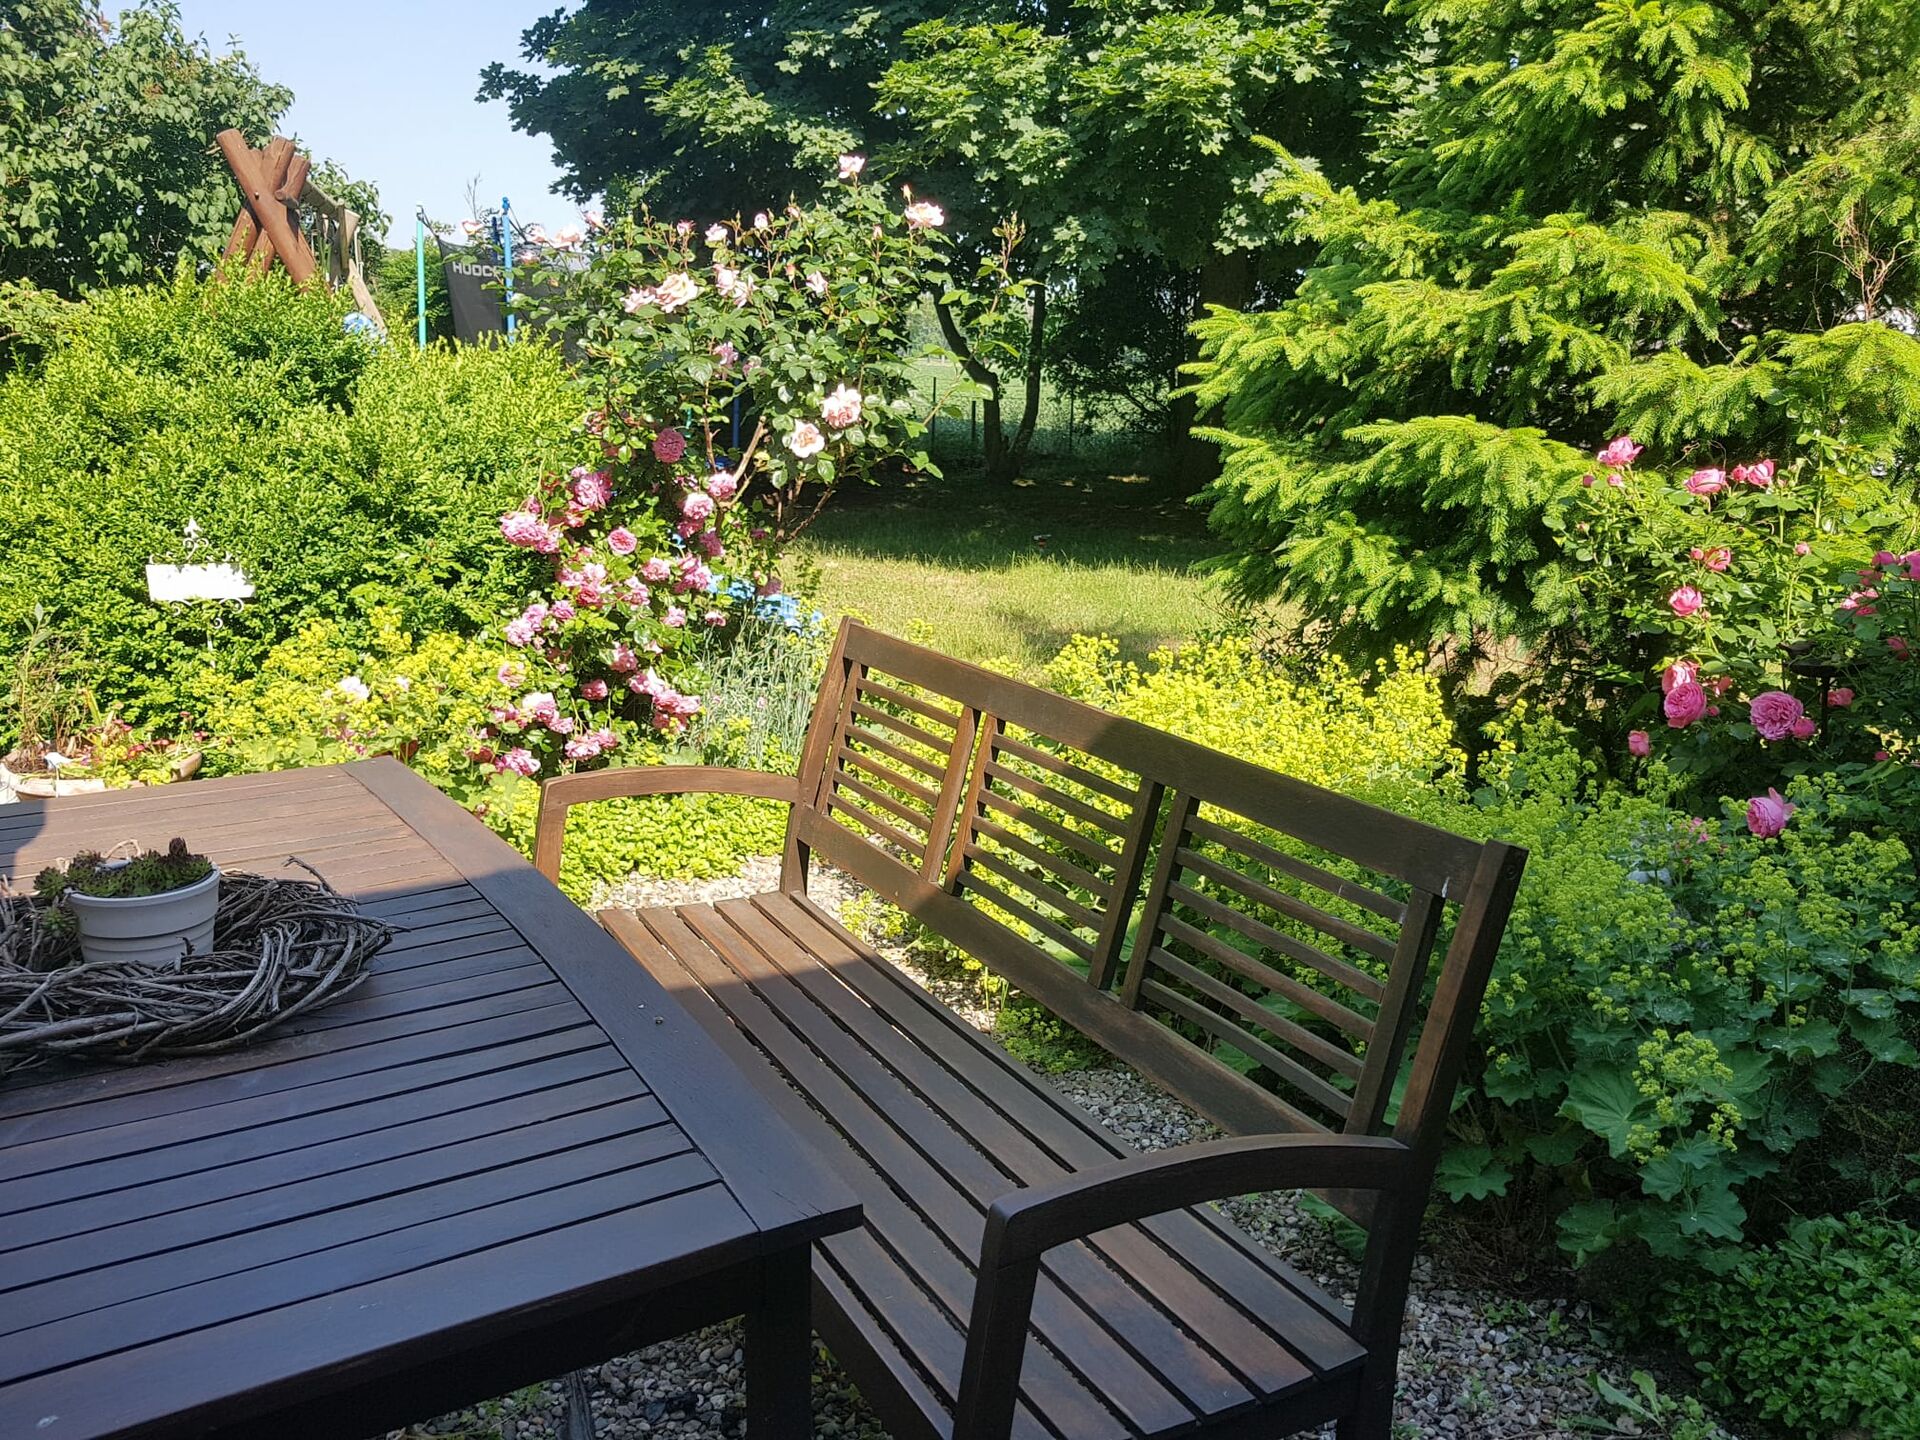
(499, 1145)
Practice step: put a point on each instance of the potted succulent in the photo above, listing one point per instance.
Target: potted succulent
(151, 909)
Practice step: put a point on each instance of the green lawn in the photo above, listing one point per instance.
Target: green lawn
(1013, 571)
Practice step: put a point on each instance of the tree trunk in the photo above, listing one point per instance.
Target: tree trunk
(1225, 279)
(1030, 408)
(1003, 457)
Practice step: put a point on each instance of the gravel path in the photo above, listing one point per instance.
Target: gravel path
(1475, 1365)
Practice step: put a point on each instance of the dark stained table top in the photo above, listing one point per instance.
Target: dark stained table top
(507, 1122)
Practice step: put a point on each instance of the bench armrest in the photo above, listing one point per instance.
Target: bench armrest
(558, 795)
(1024, 1225)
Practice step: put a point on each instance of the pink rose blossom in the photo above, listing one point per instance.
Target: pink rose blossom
(806, 440)
(696, 505)
(1774, 714)
(1639, 743)
(1759, 474)
(1680, 672)
(1839, 698)
(842, 408)
(523, 528)
(561, 612)
(511, 674)
(716, 234)
(1620, 451)
(674, 618)
(633, 593)
(725, 353)
(675, 291)
(593, 490)
(539, 706)
(1685, 703)
(710, 544)
(1708, 481)
(923, 215)
(851, 166)
(1586, 480)
(668, 446)
(722, 485)
(1912, 559)
(638, 298)
(518, 760)
(656, 570)
(622, 541)
(761, 220)
(715, 617)
(817, 283)
(1898, 645)
(622, 660)
(1804, 727)
(1801, 547)
(594, 690)
(1685, 601)
(1767, 814)
(1719, 557)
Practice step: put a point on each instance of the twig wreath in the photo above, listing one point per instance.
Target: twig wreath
(281, 947)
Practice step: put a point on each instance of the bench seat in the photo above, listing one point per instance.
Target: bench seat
(1176, 1324)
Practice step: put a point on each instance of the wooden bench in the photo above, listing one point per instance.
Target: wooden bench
(1262, 948)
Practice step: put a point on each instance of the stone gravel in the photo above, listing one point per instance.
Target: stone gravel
(1475, 1365)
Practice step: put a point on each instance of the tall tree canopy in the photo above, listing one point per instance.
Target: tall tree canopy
(108, 171)
(1694, 221)
(1121, 134)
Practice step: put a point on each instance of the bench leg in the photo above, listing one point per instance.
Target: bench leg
(780, 1350)
(1371, 1417)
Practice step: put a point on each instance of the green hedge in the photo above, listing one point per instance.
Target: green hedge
(340, 473)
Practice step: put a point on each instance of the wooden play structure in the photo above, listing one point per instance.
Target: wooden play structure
(275, 187)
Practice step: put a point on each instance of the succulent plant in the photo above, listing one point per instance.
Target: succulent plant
(153, 873)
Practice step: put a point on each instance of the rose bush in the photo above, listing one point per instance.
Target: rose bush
(1774, 602)
(737, 372)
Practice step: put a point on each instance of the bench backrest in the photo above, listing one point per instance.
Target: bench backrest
(1256, 944)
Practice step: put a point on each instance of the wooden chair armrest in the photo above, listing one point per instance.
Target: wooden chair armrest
(1024, 1225)
(563, 792)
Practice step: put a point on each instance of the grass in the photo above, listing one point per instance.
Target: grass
(1012, 572)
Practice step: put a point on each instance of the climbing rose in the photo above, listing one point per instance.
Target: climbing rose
(656, 570)
(1767, 814)
(523, 528)
(1680, 672)
(1708, 481)
(851, 166)
(592, 489)
(668, 446)
(922, 215)
(715, 617)
(716, 234)
(1685, 703)
(674, 618)
(1774, 714)
(841, 408)
(806, 440)
(1685, 601)
(511, 674)
(725, 353)
(1841, 698)
(621, 540)
(638, 298)
(1619, 451)
(696, 505)
(1639, 743)
(1759, 474)
(722, 486)
(594, 690)
(1717, 558)
(520, 761)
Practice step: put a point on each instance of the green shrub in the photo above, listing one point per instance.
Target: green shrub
(670, 837)
(340, 474)
(1816, 1333)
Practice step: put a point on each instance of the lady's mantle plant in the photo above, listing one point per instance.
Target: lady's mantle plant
(738, 372)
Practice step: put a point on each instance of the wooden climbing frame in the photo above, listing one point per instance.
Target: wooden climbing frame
(275, 186)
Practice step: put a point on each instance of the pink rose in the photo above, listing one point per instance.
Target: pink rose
(696, 505)
(622, 659)
(1680, 672)
(715, 617)
(922, 215)
(1717, 558)
(674, 618)
(594, 690)
(1839, 699)
(1708, 481)
(806, 440)
(1767, 814)
(634, 593)
(817, 283)
(1774, 713)
(1620, 451)
(1686, 601)
(1685, 703)
(1912, 558)
(1898, 645)
(1801, 547)
(1804, 727)
(511, 674)
(842, 408)
(675, 291)
(716, 234)
(622, 541)
(1759, 474)
(725, 353)
(520, 761)
(656, 570)
(668, 446)
(1639, 743)
(638, 298)
(722, 485)
(592, 489)
(851, 166)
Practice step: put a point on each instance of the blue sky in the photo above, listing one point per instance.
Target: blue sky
(387, 91)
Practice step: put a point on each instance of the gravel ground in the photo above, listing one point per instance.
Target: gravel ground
(1475, 1365)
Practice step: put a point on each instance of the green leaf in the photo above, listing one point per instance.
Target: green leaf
(1606, 1102)
(1472, 1172)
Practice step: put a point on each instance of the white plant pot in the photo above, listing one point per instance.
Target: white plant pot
(152, 930)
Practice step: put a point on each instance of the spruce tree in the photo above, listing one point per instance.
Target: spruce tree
(1695, 221)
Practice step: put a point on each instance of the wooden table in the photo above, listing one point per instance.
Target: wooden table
(508, 1154)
